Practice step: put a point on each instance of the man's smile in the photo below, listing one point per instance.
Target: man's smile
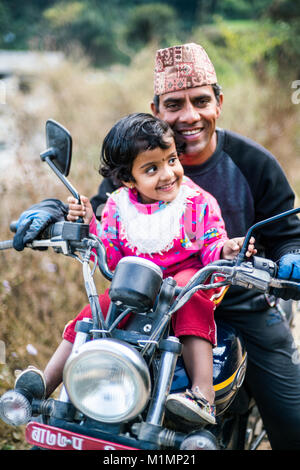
(190, 133)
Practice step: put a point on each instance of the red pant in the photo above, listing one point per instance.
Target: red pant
(195, 318)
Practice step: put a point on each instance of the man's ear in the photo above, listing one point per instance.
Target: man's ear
(220, 104)
(153, 109)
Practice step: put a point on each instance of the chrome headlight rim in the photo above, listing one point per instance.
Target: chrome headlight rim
(118, 352)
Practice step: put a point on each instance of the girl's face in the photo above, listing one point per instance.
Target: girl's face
(157, 174)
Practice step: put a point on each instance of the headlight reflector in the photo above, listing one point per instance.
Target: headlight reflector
(107, 380)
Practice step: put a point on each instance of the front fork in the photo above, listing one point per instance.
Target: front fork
(171, 349)
(80, 339)
(151, 429)
(82, 335)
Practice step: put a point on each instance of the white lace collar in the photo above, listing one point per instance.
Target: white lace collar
(152, 232)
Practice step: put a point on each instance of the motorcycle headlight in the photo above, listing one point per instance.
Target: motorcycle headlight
(107, 380)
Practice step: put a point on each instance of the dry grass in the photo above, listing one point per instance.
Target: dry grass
(41, 291)
(265, 113)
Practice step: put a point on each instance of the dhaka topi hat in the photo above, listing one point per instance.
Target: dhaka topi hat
(181, 67)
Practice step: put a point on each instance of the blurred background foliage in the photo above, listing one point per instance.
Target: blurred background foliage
(106, 72)
(111, 31)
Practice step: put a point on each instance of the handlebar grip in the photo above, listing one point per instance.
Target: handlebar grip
(6, 245)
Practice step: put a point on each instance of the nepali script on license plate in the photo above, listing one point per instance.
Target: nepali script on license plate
(50, 437)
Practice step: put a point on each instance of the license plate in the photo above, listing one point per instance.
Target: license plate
(50, 437)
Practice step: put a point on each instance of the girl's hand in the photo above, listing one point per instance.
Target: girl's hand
(83, 210)
(232, 248)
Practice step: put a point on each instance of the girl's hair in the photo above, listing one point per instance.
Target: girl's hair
(130, 136)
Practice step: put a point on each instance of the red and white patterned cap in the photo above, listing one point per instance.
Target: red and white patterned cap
(181, 67)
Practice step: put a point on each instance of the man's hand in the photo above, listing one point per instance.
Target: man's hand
(35, 219)
(289, 269)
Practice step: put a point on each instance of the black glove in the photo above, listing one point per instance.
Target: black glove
(35, 219)
(289, 269)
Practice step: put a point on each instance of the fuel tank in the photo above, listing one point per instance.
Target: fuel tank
(229, 361)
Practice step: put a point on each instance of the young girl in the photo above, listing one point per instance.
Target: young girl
(161, 215)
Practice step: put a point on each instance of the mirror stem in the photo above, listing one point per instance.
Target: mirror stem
(241, 255)
(46, 157)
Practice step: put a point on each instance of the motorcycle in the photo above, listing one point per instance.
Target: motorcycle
(115, 381)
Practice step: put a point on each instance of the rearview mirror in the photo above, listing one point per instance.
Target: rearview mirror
(59, 152)
(59, 141)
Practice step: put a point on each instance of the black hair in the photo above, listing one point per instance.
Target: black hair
(130, 136)
(216, 88)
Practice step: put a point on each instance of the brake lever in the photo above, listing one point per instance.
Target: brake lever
(247, 276)
(260, 273)
(60, 246)
(283, 283)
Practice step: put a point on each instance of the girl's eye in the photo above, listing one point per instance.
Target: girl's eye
(172, 160)
(151, 169)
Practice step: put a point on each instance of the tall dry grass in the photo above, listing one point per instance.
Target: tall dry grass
(264, 111)
(41, 291)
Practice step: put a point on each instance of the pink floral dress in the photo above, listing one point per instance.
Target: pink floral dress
(187, 232)
(180, 236)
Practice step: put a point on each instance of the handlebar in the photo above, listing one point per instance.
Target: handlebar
(69, 237)
(66, 238)
(6, 245)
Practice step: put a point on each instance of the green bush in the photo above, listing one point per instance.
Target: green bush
(151, 22)
(92, 28)
(242, 48)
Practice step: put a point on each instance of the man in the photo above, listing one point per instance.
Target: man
(250, 186)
